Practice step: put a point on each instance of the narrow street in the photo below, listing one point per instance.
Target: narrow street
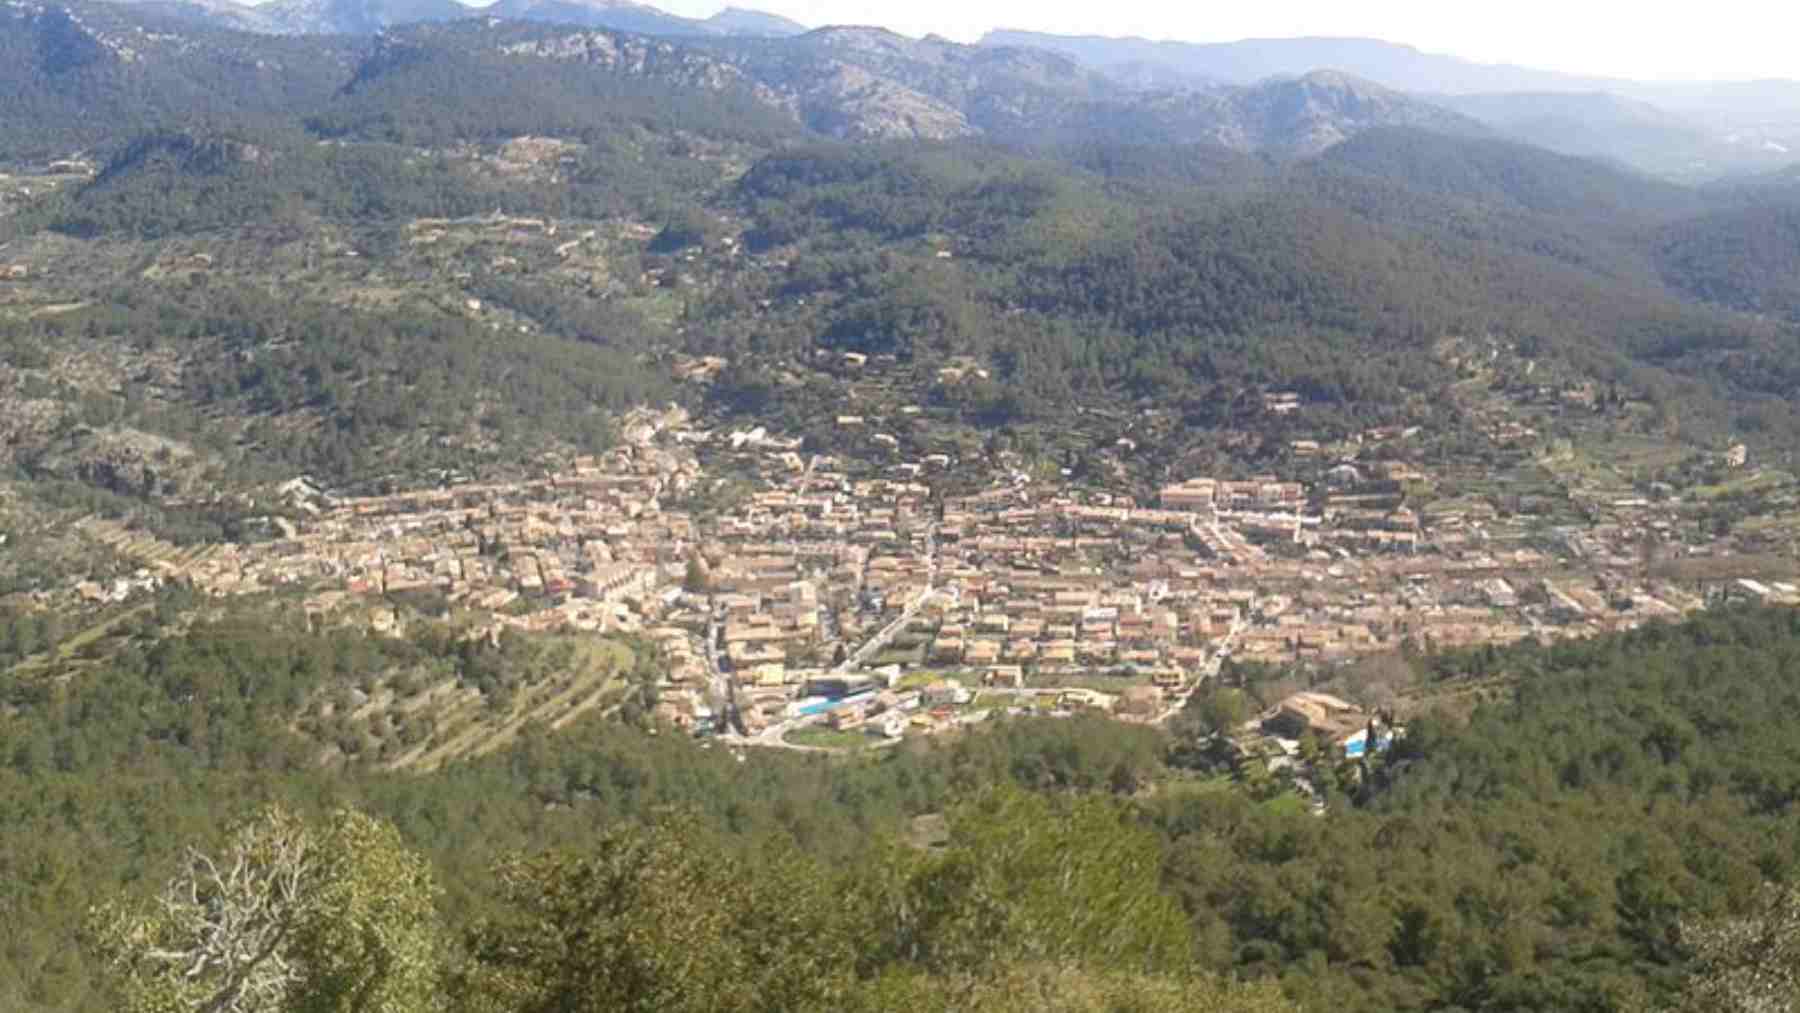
(1214, 662)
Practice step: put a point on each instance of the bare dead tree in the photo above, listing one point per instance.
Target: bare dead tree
(214, 940)
(1747, 964)
(338, 919)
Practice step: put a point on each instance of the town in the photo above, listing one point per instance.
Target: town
(830, 603)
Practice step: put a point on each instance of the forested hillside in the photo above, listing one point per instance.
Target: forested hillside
(1746, 258)
(1330, 277)
(85, 76)
(1464, 873)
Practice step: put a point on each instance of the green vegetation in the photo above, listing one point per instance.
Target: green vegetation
(1463, 868)
(432, 86)
(321, 283)
(69, 92)
(1333, 280)
(279, 385)
(287, 918)
(109, 773)
(1746, 258)
(827, 738)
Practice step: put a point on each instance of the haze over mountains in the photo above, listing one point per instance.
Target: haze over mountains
(366, 17)
(1685, 130)
(96, 71)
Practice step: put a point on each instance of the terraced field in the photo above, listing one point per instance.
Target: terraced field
(144, 548)
(467, 722)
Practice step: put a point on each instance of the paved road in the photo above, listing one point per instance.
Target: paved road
(775, 737)
(723, 689)
(891, 630)
(880, 640)
(1209, 670)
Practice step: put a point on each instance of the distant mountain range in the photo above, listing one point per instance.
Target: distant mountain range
(88, 71)
(1691, 130)
(1283, 97)
(1399, 67)
(367, 17)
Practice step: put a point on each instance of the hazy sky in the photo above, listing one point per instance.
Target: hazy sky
(1721, 39)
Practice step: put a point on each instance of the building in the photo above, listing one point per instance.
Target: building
(1319, 713)
(945, 693)
(1005, 676)
(1193, 494)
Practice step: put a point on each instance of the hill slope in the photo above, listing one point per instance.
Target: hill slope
(743, 21)
(1101, 244)
(84, 74)
(370, 17)
(1690, 132)
(1748, 258)
(1601, 125)
(852, 83)
(1309, 114)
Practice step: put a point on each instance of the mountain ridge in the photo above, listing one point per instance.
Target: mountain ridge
(868, 83)
(1246, 61)
(368, 17)
(1688, 131)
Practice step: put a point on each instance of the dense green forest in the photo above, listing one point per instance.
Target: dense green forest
(1565, 849)
(1744, 258)
(1332, 278)
(1073, 286)
(285, 383)
(67, 91)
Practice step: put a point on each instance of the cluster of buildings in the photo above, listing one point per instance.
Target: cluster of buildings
(1028, 586)
(800, 567)
(588, 547)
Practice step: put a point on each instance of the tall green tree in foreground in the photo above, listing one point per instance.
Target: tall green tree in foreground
(1033, 904)
(1039, 903)
(1029, 878)
(285, 918)
(661, 917)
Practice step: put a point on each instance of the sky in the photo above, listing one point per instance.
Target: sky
(1642, 39)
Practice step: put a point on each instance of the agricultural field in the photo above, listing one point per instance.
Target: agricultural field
(423, 716)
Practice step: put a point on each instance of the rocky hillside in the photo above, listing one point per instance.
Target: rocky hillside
(872, 84)
(1306, 115)
(77, 75)
(94, 70)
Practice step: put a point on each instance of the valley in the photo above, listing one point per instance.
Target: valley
(586, 508)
